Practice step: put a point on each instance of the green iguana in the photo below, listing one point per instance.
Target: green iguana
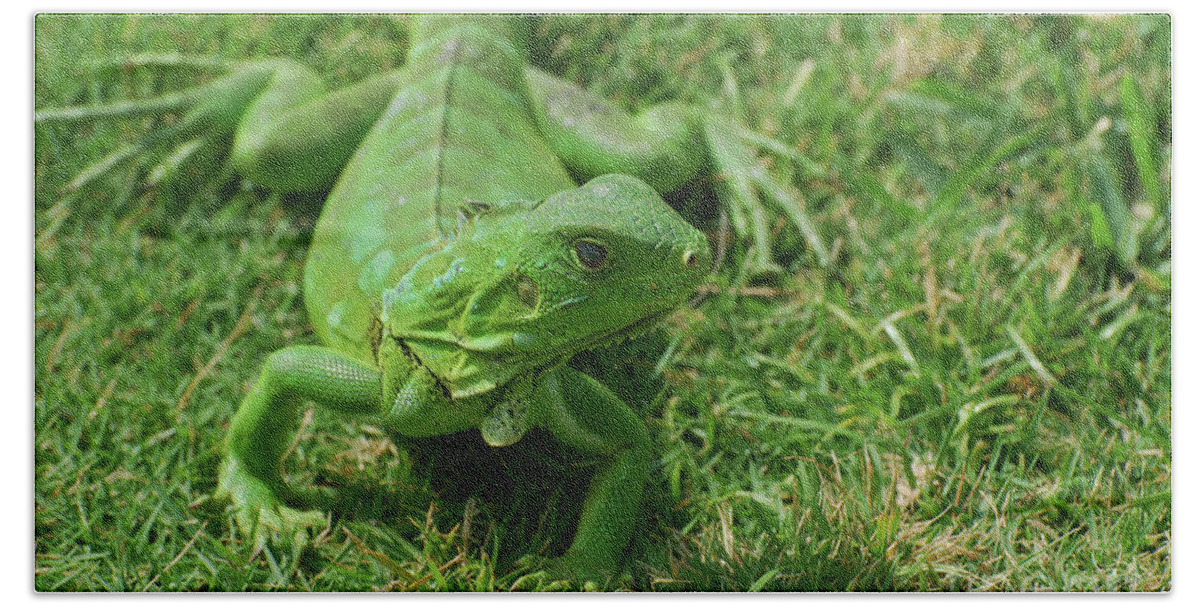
(456, 265)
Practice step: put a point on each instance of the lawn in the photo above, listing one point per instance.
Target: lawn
(959, 378)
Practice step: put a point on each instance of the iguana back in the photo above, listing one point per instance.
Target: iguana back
(460, 130)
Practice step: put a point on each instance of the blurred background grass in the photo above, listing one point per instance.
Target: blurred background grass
(974, 394)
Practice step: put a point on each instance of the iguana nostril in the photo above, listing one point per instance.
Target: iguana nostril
(689, 258)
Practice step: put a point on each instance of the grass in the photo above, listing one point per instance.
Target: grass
(974, 394)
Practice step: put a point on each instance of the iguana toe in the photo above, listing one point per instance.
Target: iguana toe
(259, 512)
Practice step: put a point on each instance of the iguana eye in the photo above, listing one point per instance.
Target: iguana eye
(591, 255)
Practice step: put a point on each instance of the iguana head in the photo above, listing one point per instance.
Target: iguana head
(524, 286)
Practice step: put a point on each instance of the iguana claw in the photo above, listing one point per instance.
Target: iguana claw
(259, 512)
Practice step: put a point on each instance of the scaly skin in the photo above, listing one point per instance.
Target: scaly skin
(457, 227)
(456, 265)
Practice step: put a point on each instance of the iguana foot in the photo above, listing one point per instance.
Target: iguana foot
(583, 573)
(259, 512)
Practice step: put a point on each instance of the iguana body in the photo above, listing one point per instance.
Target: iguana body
(458, 130)
(455, 267)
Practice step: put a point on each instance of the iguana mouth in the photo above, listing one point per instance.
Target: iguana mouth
(628, 332)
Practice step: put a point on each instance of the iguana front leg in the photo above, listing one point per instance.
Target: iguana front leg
(586, 416)
(265, 424)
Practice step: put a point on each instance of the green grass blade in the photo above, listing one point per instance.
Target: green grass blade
(1141, 134)
(1100, 188)
(984, 162)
